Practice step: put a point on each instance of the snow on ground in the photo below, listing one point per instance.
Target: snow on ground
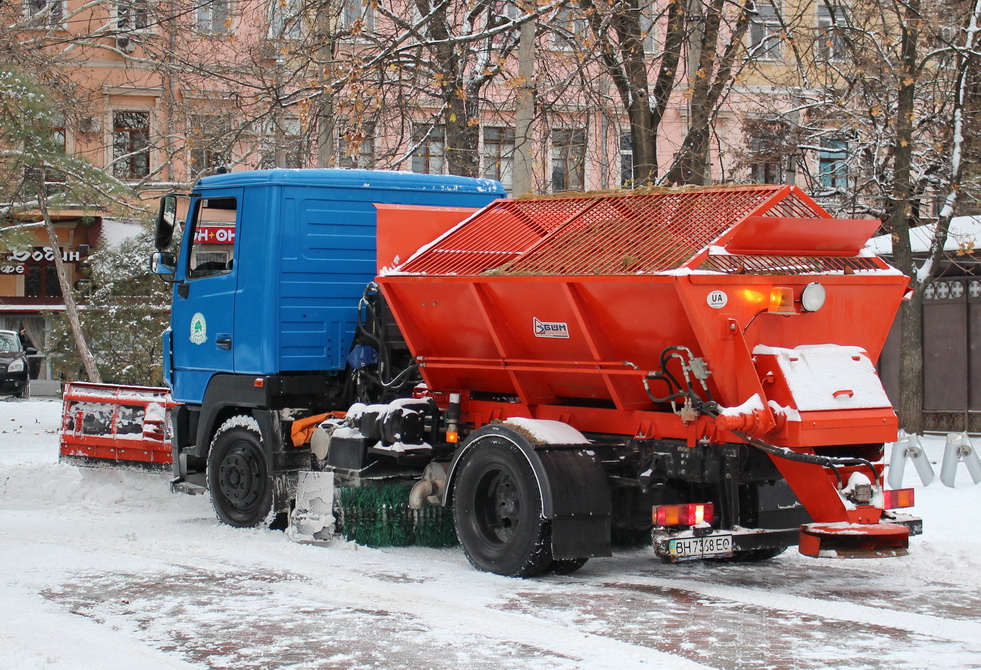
(107, 569)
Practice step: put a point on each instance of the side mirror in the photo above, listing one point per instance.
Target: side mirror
(30, 351)
(166, 220)
(164, 265)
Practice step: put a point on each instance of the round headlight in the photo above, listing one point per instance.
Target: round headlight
(812, 297)
(16, 366)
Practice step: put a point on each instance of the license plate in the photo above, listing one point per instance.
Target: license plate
(710, 546)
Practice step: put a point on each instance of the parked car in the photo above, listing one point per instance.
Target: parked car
(14, 377)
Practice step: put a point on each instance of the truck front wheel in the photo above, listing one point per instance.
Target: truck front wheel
(497, 507)
(238, 474)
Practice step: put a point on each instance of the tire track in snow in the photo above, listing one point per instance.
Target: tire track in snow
(351, 589)
(956, 630)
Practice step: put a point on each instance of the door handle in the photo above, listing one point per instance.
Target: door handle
(223, 340)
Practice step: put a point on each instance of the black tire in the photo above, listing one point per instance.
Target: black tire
(497, 507)
(238, 475)
(25, 393)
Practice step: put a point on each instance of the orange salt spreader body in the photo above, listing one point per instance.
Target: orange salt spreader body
(700, 318)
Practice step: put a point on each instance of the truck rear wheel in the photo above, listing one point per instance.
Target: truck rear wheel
(238, 474)
(497, 506)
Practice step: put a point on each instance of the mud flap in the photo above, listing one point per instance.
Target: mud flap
(581, 505)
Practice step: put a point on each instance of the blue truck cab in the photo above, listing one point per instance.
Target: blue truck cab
(266, 292)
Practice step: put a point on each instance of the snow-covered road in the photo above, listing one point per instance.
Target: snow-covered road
(106, 569)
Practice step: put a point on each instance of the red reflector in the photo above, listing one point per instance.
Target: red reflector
(259, 382)
(683, 515)
(452, 437)
(896, 498)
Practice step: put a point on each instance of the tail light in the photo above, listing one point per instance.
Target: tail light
(896, 498)
(683, 515)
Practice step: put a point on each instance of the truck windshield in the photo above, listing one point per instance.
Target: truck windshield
(213, 244)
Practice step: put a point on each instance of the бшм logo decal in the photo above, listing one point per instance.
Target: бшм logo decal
(558, 329)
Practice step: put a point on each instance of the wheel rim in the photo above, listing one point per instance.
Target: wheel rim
(240, 478)
(497, 506)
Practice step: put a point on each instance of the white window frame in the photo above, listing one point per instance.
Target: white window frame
(112, 142)
(764, 31)
(364, 158)
(120, 7)
(426, 137)
(560, 152)
(572, 24)
(829, 44)
(500, 164)
(353, 11)
(286, 20)
(51, 20)
(204, 18)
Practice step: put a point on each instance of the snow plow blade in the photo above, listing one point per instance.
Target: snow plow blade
(854, 540)
(108, 424)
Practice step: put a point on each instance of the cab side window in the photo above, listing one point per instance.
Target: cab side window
(213, 245)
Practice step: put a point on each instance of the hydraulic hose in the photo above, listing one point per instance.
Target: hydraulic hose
(712, 409)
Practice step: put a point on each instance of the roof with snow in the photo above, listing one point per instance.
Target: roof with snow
(964, 236)
(115, 231)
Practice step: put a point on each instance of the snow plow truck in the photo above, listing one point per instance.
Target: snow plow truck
(696, 366)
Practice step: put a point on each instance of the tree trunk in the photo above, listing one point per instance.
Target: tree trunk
(911, 338)
(711, 79)
(911, 365)
(71, 309)
(525, 107)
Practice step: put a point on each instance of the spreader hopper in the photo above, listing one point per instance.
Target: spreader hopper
(711, 316)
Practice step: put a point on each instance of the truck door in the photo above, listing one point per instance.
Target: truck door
(204, 302)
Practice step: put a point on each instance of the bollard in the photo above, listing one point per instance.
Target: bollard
(907, 447)
(959, 448)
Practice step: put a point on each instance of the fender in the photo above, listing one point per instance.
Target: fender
(574, 488)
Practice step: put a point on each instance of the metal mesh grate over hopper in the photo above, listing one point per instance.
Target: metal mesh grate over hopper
(606, 234)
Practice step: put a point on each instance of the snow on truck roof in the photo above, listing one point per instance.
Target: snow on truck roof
(353, 179)
(745, 229)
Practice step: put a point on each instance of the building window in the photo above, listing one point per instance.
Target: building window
(356, 148)
(764, 31)
(214, 17)
(626, 159)
(429, 155)
(285, 20)
(45, 12)
(569, 28)
(206, 141)
(357, 16)
(133, 15)
(771, 150)
(499, 155)
(568, 159)
(284, 145)
(832, 164)
(41, 281)
(295, 149)
(131, 145)
(831, 22)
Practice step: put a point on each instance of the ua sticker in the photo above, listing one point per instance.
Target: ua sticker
(199, 329)
(717, 299)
